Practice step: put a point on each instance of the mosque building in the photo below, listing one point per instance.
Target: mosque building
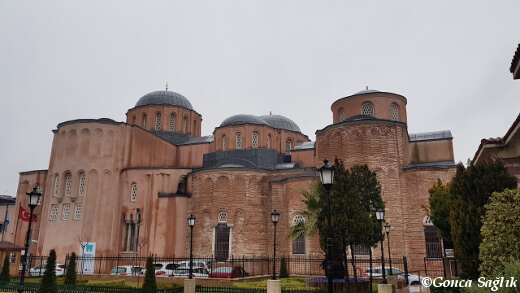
(112, 182)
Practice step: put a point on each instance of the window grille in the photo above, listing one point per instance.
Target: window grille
(239, 140)
(394, 112)
(144, 121)
(269, 142)
(54, 212)
(158, 121)
(288, 144)
(224, 142)
(77, 211)
(298, 219)
(81, 190)
(222, 217)
(56, 185)
(255, 140)
(299, 245)
(65, 212)
(360, 250)
(367, 109)
(222, 232)
(184, 122)
(133, 192)
(433, 242)
(342, 115)
(172, 122)
(68, 184)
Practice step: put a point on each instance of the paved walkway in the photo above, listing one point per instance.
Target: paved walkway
(414, 289)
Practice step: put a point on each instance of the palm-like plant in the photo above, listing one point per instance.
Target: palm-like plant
(310, 214)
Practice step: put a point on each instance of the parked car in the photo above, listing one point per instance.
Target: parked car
(228, 272)
(197, 273)
(126, 270)
(39, 270)
(377, 272)
(196, 264)
(166, 269)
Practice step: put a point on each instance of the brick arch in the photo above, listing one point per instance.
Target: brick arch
(239, 185)
(222, 185)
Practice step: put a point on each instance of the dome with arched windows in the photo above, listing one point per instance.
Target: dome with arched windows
(243, 119)
(281, 122)
(164, 98)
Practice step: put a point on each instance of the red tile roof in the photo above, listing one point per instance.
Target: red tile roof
(4, 245)
(499, 140)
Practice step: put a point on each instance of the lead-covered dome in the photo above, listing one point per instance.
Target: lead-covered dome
(164, 98)
(243, 119)
(281, 122)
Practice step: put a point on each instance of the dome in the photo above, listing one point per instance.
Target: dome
(243, 119)
(164, 98)
(367, 91)
(281, 122)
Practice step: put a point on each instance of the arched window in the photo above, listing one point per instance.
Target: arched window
(172, 122)
(269, 141)
(81, 190)
(56, 185)
(222, 217)
(299, 243)
(158, 121)
(288, 147)
(394, 112)
(239, 140)
(255, 139)
(68, 184)
(367, 109)
(133, 192)
(194, 129)
(224, 142)
(134, 119)
(341, 114)
(144, 121)
(184, 122)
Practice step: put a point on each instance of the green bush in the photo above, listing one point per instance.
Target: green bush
(49, 277)
(4, 275)
(284, 273)
(149, 279)
(70, 276)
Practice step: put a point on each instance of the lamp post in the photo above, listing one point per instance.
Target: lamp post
(327, 179)
(34, 197)
(380, 216)
(387, 229)
(191, 223)
(275, 216)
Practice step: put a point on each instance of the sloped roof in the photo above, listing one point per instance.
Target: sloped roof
(4, 245)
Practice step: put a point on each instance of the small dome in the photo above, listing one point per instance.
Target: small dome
(164, 98)
(281, 122)
(243, 119)
(361, 117)
(367, 91)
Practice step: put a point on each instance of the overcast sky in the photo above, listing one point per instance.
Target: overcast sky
(64, 60)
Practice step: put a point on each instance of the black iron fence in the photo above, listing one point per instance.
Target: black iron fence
(441, 267)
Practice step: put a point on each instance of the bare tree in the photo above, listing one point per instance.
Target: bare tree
(141, 242)
(83, 242)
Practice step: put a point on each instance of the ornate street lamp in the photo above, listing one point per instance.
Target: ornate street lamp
(387, 229)
(34, 197)
(191, 223)
(380, 216)
(275, 217)
(327, 179)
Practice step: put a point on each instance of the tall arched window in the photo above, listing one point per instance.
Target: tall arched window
(184, 122)
(224, 142)
(239, 140)
(394, 112)
(68, 184)
(56, 185)
(269, 141)
(158, 121)
(341, 114)
(144, 121)
(222, 233)
(255, 139)
(288, 147)
(172, 122)
(367, 109)
(194, 129)
(299, 243)
(133, 192)
(81, 190)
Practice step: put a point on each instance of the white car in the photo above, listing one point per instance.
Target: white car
(196, 264)
(163, 269)
(197, 273)
(39, 270)
(126, 270)
(377, 272)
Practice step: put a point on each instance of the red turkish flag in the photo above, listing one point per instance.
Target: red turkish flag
(25, 215)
